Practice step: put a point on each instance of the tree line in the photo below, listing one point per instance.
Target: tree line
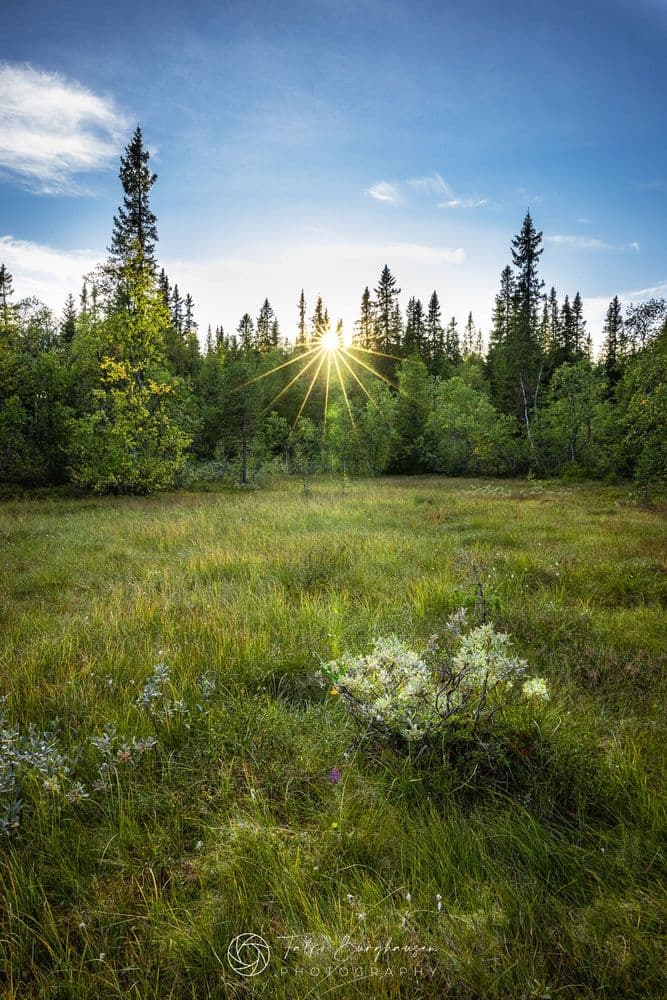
(119, 395)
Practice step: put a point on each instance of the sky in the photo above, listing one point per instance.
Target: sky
(306, 143)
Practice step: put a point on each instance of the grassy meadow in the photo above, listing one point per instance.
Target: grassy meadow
(541, 877)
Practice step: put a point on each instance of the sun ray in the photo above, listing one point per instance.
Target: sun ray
(384, 378)
(310, 388)
(401, 392)
(292, 361)
(290, 384)
(367, 350)
(342, 385)
(357, 379)
(326, 391)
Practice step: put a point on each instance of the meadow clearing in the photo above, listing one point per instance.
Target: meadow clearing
(171, 811)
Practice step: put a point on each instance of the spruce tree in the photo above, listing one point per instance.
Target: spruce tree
(612, 347)
(386, 301)
(68, 324)
(554, 320)
(365, 325)
(7, 309)
(578, 327)
(319, 321)
(452, 343)
(469, 335)
(414, 327)
(264, 326)
(246, 333)
(135, 226)
(523, 354)
(301, 337)
(433, 331)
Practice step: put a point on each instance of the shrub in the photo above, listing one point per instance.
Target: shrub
(454, 687)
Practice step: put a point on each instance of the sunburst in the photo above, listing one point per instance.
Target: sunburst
(325, 358)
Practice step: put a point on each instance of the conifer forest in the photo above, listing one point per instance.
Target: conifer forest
(121, 393)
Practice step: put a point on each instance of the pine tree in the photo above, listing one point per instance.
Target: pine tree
(452, 343)
(165, 289)
(301, 335)
(177, 311)
(566, 349)
(469, 335)
(264, 324)
(433, 331)
(386, 301)
(612, 348)
(68, 323)
(365, 325)
(526, 252)
(135, 226)
(414, 327)
(319, 322)
(396, 329)
(523, 356)
(246, 333)
(554, 320)
(7, 310)
(578, 327)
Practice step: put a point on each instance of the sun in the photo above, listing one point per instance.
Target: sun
(329, 341)
(333, 354)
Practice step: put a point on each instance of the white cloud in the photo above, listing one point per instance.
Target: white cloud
(44, 271)
(464, 203)
(52, 129)
(384, 191)
(589, 243)
(432, 185)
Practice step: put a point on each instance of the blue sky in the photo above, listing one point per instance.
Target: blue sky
(308, 143)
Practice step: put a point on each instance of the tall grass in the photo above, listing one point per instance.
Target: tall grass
(538, 877)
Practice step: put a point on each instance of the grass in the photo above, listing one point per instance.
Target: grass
(548, 869)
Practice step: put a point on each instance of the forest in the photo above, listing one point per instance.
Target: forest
(119, 395)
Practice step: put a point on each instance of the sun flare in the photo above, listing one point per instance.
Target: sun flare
(330, 341)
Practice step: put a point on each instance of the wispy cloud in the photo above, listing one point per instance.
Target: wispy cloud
(589, 243)
(53, 129)
(384, 191)
(431, 185)
(464, 203)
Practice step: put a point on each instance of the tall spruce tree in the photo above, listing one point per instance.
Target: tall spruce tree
(433, 332)
(578, 327)
(135, 226)
(523, 355)
(301, 336)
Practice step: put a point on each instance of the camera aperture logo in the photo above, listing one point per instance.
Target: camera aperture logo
(248, 955)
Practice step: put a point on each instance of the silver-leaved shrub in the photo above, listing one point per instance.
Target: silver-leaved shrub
(458, 683)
